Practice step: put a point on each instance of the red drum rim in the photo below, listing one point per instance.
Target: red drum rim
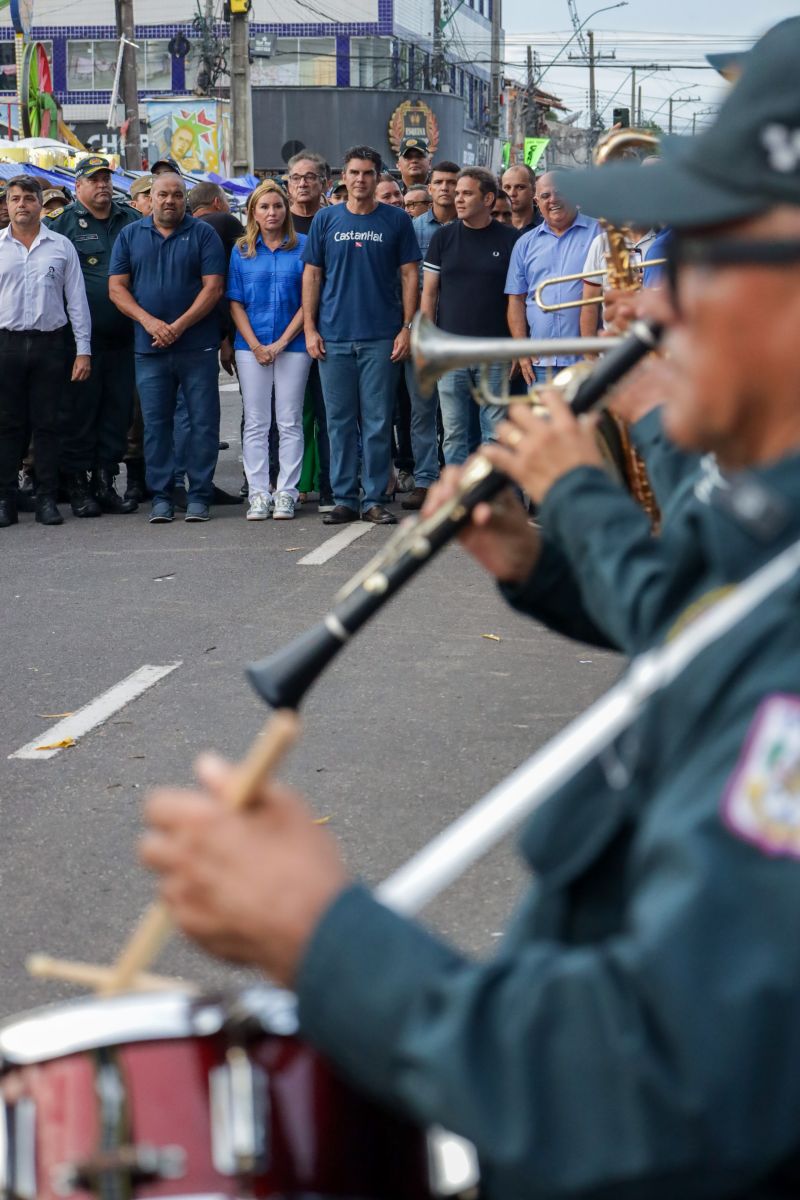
(90, 1023)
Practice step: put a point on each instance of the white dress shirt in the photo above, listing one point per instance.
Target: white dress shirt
(36, 282)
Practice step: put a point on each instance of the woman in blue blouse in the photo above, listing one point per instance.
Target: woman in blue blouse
(264, 287)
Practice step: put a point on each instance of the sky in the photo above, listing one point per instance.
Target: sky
(680, 32)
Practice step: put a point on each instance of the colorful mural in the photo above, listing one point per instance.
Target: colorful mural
(196, 133)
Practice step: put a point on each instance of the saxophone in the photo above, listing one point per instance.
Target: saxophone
(624, 274)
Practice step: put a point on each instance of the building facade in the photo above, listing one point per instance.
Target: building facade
(383, 45)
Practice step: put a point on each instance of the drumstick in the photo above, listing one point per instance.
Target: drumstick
(42, 966)
(276, 739)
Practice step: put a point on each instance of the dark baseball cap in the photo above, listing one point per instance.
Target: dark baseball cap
(91, 165)
(420, 144)
(745, 164)
(165, 164)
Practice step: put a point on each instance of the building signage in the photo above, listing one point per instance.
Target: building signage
(413, 118)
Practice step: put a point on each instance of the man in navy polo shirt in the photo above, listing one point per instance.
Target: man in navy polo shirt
(167, 272)
(357, 326)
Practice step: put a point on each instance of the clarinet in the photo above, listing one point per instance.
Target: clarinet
(282, 679)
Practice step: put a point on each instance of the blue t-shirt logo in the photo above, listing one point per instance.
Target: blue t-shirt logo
(360, 298)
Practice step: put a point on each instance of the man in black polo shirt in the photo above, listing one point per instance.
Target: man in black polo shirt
(464, 292)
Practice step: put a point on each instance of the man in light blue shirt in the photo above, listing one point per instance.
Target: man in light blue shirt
(556, 247)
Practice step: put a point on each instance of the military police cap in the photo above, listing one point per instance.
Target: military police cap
(141, 185)
(747, 162)
(91, 165)
(420, 144)
(56, 193)
(163, 165)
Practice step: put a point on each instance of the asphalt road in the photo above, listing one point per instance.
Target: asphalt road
(419, 716)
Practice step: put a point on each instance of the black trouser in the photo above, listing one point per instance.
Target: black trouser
(96, 413)
(401, 432)
(31, 379)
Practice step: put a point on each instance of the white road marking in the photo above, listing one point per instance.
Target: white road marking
(229, 387)
(333, 545)
(95, 712)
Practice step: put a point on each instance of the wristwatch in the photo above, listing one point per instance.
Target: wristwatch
(407, 324)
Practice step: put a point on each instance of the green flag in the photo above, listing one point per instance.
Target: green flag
(506, 150)
(534, 149)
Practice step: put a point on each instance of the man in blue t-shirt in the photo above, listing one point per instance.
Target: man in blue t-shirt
(357, 327)
(167, 272)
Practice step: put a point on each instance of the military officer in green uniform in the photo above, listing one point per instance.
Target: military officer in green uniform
(636, 1037)
(96, 414)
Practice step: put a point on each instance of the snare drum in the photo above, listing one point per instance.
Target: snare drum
(165, 1095)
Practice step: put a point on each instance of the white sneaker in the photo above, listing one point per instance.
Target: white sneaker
(260, 507)
(284, 507)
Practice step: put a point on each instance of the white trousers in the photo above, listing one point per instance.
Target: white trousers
(288, 373)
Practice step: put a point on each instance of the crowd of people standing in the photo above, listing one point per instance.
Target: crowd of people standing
(117, 317)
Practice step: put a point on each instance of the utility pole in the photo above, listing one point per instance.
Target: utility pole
(437, 64)
(241, 109)
(593, 60)
(528, 122)
(682, 100)
(633, 96)
(592, 90)
(132, 139)
(496, 82)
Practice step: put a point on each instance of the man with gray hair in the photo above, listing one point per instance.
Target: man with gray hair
(306, 179)
(167, 272)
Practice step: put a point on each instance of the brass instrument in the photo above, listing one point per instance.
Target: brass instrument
(434, 352)
(621, 272)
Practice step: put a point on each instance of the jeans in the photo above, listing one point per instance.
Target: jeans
(424, 435)
(459, 408)
(158, 378)
(289, 373)
(359, 379)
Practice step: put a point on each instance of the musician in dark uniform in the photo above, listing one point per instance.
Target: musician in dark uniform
(637, 1034)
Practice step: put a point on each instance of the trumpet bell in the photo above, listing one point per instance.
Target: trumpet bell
(434, 352)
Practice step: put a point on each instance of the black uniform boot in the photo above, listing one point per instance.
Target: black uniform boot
(107, 495)
(136, 484)
(8, 511)
(82, 502)
(46, 511)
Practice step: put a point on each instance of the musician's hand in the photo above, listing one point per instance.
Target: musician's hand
(619, 309)
(499, 536)
(535, 452)
(248, 886)
(645, 387)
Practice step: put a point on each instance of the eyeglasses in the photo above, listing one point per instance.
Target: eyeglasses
(417, 203)
(309, 177)
(726, 252)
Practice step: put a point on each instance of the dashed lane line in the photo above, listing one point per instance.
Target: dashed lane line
(331, 547)
(94, 713)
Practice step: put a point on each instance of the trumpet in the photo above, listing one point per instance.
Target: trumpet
(435, 353)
